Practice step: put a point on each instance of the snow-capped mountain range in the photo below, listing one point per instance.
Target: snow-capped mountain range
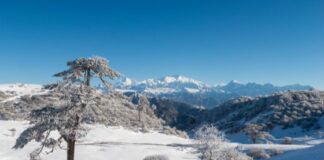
(184, 89)
(177, 88)
(167, 84)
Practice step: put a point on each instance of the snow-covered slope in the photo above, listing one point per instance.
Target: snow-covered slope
(17, 90)
(300, 109)
(21, 89)
(288, 114)
(188, 90)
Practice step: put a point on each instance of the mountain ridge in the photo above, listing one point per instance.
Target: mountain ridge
(188, 90)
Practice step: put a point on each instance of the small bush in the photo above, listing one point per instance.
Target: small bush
(156, 157)
(275, 152)
(287, 140)
(259, 154)
(13, 132)
(212, 145)
(235, 154)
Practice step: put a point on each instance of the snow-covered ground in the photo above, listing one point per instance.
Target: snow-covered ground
(313, 153)
(120, 144)
(102, 143)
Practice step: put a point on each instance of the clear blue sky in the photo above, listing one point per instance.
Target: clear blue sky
(277, 41)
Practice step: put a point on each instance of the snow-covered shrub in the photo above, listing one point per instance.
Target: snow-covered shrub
(210, 142)
(156, 157)
(13, 132)
(212, 145)
(35, 155)
(234, 154)
(287, 140)
(2, 96)
(259, 154)
(275, 152)
(255, 132)
(173, 131)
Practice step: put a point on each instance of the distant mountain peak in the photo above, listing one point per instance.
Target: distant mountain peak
(124, 82)
(179, 78)
(235, 82)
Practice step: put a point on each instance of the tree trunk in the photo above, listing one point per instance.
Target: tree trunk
(88, 77)
(253, 140)
(71, 140)
(70, 149)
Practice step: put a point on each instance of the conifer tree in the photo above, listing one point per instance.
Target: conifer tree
(77, 103)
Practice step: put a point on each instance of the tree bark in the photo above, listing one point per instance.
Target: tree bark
(88, 77)
(253, 140)
(70, 149)
(71, 140)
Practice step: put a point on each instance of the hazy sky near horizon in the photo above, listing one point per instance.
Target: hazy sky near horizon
(276, 41)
